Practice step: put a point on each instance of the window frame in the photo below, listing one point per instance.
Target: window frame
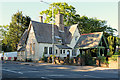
(56, 51)
(30, 48)
(46, 48)
(60, 51)
(63, 51)
(50, 50)
(33, 48)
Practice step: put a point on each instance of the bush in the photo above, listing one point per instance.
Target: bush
(109, 54)
(117, 53)
(102, 59)
(52, 56)
(114, 57)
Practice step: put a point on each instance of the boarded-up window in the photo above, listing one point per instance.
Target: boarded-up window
(45, 50)
(33, 48)
(50, 50)
(30, 48)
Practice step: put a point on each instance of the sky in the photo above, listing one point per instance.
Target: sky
(107, 11)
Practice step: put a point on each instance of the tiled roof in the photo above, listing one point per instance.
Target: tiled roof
(22, 49)
(43, 32)
(63, 47)
(23, 38)
(90, 40)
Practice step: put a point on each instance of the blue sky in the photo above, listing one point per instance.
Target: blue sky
(102, 10)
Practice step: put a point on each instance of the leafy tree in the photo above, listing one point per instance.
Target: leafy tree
(113, 42)
(68, 12)
(3, 31)
(17, 26)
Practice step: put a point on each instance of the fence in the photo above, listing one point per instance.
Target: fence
(8, 56)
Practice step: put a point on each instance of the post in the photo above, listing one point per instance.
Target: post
(52, 36)
(52, 32)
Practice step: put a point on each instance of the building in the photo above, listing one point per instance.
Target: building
(37, 40)
(92, 41)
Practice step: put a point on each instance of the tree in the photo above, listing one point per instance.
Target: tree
(3, 31)
(16, 28)
(85, 24)
(113, 42)
(68, 12)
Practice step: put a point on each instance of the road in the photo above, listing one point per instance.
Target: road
(52, 72)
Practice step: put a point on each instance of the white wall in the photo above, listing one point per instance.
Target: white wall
(73, 41)
(41, 51)
(32, 39)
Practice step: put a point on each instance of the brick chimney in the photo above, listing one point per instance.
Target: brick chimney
(41, 19)
(59, 21)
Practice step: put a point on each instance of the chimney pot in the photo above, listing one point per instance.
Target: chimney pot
(41, 18)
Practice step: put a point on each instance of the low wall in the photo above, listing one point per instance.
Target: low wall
(114, 64)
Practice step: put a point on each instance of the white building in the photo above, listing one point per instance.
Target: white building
(37, 40)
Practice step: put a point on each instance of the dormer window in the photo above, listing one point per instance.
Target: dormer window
(76, 38)
(60, 41)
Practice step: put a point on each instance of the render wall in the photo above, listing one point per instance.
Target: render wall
(74, 41)
(41, 51)
(31, 40)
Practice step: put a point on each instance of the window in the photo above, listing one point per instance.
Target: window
(63, 51)
(30, 48)
(45, 50)
(60, 51)
(74, 52)
(33, 48)
(50, 50)
(76, 38)
(56, 51)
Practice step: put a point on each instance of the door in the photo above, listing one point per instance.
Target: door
(68, 53)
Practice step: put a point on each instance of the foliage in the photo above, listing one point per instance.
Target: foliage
(16, 28)
(3, 31)
(117, 53)
(52, 56)
(102, 59)
(114, 57)
(42, 59)
(112, 42)
(67, 10)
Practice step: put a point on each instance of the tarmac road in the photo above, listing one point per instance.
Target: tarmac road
(45, 71)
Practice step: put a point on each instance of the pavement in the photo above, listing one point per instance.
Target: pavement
(48, 71)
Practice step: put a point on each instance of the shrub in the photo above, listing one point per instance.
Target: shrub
(102, 59)
(117, 53)
(52, 56)
(114, 57)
